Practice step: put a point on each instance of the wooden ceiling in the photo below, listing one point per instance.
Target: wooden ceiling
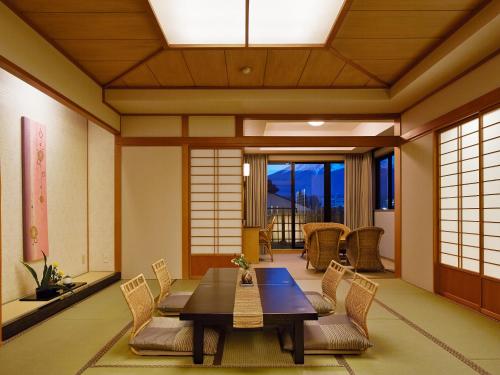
(119, 44)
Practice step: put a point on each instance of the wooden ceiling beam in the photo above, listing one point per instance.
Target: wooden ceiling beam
(262, 141)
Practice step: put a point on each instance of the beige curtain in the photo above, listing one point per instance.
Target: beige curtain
(256, 191)
(359, 190)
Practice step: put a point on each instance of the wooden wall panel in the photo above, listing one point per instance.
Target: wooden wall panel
(491, 297)
(459, 285)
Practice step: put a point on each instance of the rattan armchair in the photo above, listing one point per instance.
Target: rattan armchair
(363, 249)
(168, 302)
(323, 247)
(159, 335)
(266, 236)
(341, 333)
(324, 303)
(308, 228)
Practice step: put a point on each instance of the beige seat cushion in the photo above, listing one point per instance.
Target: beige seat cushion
(322, 305)
(172, 335)
(174, 302)
(330, 334)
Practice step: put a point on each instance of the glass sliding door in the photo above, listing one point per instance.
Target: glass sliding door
(300, 193)
(279, 203)
(309, 187)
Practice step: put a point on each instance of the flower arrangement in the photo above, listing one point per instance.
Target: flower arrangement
(241, 262)
(49, 285)
(246, 276)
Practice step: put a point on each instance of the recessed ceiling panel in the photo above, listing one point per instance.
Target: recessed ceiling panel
(201, 22)
(291, 22)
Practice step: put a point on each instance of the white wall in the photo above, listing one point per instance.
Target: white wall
(151, 209)
(151, 126)
(101, 170)
(66, 183)
(417, 169)
(417, 212)
(385, 219)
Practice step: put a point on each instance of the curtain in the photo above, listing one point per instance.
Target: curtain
(359, 190)
(256, 191)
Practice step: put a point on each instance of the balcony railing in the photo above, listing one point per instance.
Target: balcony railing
(282, 231)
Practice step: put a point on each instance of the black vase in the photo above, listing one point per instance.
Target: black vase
(46, 293)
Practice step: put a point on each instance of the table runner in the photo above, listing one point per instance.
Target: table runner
(247, 311)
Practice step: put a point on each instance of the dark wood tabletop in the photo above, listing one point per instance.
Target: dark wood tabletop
(282, 300)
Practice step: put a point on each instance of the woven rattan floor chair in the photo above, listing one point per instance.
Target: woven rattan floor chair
(323, 247)
(168, 302)
(324, 303)
(159, 335)
(363, 250)
(341, 333)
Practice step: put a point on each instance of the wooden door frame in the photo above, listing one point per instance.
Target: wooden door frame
(439, 268)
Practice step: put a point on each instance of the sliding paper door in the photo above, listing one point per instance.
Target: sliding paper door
(216, 201)
(469, 212)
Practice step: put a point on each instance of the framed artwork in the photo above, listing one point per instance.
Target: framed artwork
(35, 223)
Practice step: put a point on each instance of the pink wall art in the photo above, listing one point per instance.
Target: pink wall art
(35, 223)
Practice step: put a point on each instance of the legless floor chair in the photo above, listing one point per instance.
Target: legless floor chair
(159, 335)
(168, 303)
(341, 333)
(324, 303)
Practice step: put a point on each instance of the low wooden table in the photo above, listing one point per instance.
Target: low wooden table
(283, 304)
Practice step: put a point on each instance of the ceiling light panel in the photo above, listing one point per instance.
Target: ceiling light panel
(291, 22)
(201, 22)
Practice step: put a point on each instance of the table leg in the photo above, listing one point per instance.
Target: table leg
(198, 342)
(298, 340)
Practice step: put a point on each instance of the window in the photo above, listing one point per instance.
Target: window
(384, 175)
(300, 193)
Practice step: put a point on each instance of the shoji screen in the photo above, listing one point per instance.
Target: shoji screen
(459, 196)
(216, 201)
(491, 193)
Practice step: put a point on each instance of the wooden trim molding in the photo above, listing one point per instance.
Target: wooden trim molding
(468, 109)
(46, 89)
(397, 212)
(238, 126)
(118, 205)
(362, 141)
(185, 126)
(185, 213)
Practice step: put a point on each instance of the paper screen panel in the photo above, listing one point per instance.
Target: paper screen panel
(216, 201)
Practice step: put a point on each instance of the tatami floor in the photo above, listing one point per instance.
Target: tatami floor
(413, 331)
